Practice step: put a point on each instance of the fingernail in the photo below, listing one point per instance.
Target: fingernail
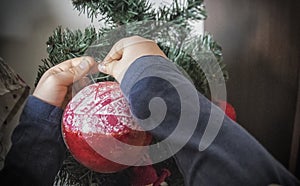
(84, 64)
(101, 67)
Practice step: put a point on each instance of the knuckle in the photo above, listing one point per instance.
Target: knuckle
(135, 37)
(88, 59)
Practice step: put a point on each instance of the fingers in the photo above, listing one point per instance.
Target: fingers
(72, 70)
(115, 52)
(55, 83)
(125, 52)
(72, 63)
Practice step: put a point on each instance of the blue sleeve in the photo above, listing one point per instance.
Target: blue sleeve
(233, 158)
(38, 149)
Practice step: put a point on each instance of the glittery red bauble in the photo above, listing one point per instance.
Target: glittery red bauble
(227, 108)
(95, 115)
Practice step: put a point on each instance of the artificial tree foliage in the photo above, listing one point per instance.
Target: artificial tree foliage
(65, 44)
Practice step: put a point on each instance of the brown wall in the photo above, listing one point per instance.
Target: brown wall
(260, 41)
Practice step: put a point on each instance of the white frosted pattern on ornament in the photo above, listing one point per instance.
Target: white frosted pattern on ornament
(99, 108)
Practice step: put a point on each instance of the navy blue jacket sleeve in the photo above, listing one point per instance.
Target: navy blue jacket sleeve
(38, 149)
(233, 158)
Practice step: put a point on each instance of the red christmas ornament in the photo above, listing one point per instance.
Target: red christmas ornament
(227, 108)
(93, 120)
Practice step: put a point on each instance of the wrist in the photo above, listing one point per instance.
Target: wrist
(48, 99)
(42, 110)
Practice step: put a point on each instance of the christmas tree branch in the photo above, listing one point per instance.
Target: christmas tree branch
(66, 44)
(115, 11)
(120, 12)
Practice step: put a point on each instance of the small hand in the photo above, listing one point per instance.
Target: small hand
(55, 83)
(125, 52)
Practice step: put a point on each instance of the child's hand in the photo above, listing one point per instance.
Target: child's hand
(126, 51)
(54, 84)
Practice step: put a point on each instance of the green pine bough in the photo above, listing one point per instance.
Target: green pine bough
(65, 44)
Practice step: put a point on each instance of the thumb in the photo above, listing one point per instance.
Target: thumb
(107, 67)
(116, 68)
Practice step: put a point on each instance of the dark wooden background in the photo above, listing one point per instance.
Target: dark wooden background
(260, 41)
